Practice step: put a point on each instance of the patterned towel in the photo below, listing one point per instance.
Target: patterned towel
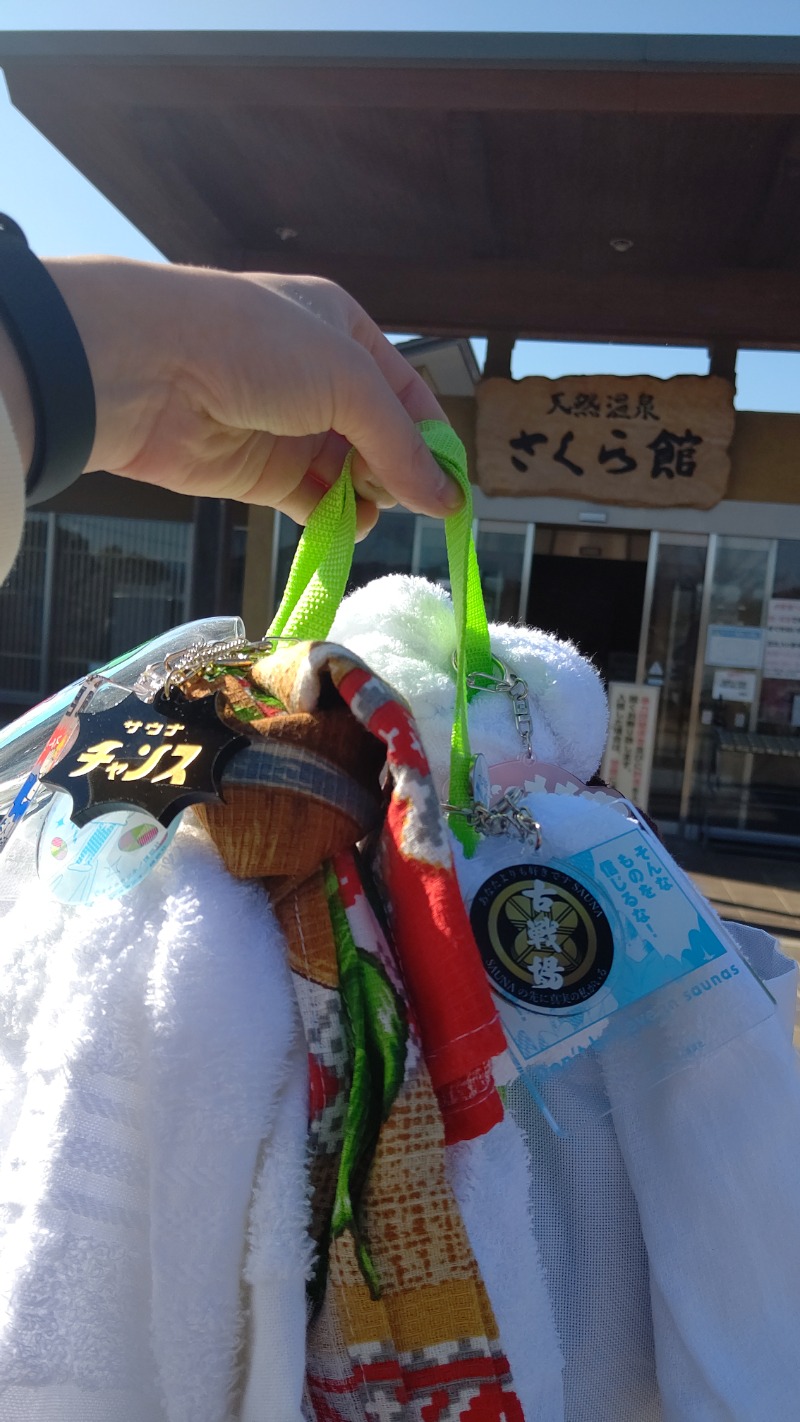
(400, 1029)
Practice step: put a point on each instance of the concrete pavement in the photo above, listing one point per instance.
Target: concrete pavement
(758, 888)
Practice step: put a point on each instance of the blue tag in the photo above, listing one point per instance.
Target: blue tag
(612, 948)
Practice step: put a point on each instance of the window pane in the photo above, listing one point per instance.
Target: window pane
(21, 612)
(118, 582)
(500, 557)
(432, 552)
(387, 549)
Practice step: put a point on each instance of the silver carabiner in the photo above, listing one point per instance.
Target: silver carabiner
(517, 691)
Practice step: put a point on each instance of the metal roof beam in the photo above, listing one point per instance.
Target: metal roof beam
(477, 89)
(367, 47)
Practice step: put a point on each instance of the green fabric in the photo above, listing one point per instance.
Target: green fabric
(321, 565)
(473, 650)
(377, 1033)
(319, 573)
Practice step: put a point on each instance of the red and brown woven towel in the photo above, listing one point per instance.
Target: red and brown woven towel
(400, 1028)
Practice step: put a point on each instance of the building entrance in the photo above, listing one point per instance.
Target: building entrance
(588, 585)
(711, 619)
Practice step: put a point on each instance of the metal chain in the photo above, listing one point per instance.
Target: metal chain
(236, 653)
(507, 816)
(521, 706)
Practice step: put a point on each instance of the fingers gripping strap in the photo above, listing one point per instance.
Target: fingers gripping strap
(318, 578)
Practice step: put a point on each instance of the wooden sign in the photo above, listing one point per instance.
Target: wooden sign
(632, 440)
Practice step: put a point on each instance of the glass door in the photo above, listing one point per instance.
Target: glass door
(505, 553)
(671, 621)
(746, 755)
(719, 760)
(429, 556)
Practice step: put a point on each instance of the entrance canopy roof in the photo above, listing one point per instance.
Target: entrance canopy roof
(575, 187)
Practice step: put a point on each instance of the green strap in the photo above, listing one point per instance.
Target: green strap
(473, 651)
(321, 565)
(318, 577)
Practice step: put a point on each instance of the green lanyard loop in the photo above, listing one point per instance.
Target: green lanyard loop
(318, 577)
(321, 565)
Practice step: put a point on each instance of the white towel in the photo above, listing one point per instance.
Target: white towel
(404, 629)
(145, 1046)
(713, 1157)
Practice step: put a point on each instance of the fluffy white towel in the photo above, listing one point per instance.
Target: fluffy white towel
(404, 629)
(713, 1157)
(146, 1047)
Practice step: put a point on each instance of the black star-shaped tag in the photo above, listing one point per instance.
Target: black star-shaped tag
(156, 756)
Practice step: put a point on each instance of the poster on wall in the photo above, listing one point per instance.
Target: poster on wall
(730, 646)
(628, 757)
(632, 440)
(782, 643)
(734, 686)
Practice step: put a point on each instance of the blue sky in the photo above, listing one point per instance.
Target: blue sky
(729, 17)
(62, 213)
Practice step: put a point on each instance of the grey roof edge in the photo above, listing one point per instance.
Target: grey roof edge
(418, 345)
(394, 48)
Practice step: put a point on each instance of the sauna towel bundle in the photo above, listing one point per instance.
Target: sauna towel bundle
(157, 1116)
(653, 1285)
(160, 1057)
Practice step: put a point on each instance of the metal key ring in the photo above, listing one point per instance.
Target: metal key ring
(484, 681)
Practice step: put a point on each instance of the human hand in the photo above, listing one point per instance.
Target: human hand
(232, 385)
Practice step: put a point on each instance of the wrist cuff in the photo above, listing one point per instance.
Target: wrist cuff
(51, 353)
